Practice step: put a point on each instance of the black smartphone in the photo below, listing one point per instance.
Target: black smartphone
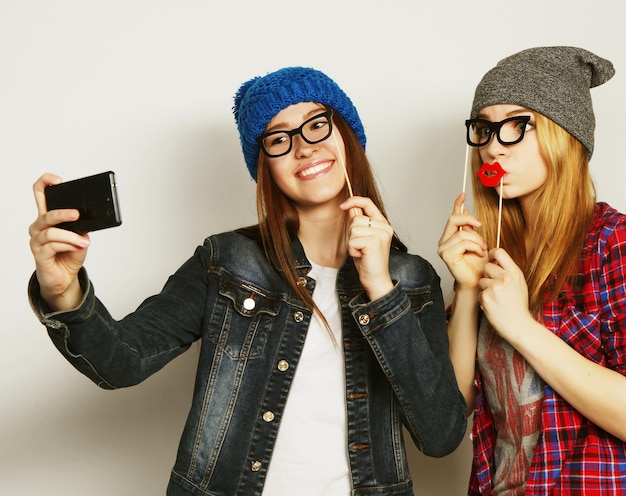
(95, 197)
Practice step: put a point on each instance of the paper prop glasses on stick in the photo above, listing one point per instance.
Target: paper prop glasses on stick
(479, 133)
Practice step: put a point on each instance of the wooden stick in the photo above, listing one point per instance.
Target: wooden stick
(499, 214)
(343, 165)
(467, 159)
(345, 171)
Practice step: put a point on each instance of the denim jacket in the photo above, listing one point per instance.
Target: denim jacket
(252, 328)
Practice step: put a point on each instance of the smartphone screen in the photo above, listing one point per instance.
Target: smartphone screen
(95, 197)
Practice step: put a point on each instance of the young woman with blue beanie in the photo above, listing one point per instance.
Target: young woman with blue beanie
(321, 336)
(537, 327)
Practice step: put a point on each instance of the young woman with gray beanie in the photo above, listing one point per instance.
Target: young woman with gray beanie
(544, 315)
(321, 336)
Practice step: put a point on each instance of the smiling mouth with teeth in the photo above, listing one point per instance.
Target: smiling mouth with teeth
(316, 169)
(491, 174)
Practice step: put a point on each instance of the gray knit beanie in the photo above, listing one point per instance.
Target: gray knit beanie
(553, 81)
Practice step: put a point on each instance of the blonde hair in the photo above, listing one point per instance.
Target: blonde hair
(564, 207)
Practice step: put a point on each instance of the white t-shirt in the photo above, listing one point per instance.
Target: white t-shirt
(310, 457)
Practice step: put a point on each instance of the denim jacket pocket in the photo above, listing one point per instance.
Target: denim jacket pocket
(241, 318)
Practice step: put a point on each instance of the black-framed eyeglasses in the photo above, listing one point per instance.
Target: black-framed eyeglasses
(509, 131)
(313, 130)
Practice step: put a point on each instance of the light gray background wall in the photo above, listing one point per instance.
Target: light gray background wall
(144, 87)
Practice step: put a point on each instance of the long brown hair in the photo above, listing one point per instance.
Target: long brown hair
(564, 207)
(278, 218)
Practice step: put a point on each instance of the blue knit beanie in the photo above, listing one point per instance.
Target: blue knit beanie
(258, 100)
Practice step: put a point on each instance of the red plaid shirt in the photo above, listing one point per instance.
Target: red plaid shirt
(573, 455)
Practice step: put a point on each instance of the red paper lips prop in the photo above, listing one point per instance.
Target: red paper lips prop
(491, 174)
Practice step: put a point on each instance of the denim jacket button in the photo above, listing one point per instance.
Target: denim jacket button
(298, 316)
(301, 281)
(249, 303)
(364, 319)
(268, 416)
(283, 365)
(256, 466)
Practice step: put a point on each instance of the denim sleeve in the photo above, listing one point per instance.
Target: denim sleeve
(406, 330)
(119, 353)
